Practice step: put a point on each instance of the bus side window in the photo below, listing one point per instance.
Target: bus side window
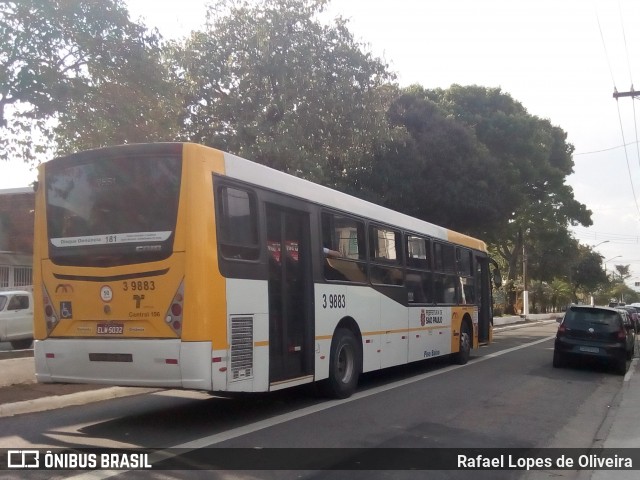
(237, 224)
(445, 282)
(419, 278)
(343, 244)
(464, 259)
(386, 256)
(445, 289)
(468, 290)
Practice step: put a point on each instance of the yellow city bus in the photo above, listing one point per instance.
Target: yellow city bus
(181, 266)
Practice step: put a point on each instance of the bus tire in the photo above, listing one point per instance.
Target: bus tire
(344, 365)
(21, 344)
(462, 356)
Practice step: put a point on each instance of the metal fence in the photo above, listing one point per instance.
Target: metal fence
(15, 277)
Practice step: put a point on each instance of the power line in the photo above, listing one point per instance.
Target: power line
(611, 237)
(633, 99)
(606, 149)
(626, 155)
(626, 49)
(604, 45)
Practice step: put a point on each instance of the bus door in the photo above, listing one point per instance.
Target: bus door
(290, 293)
(483, 280)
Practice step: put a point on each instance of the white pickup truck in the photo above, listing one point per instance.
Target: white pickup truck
(16, 318)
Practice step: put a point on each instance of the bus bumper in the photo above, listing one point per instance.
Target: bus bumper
(142, 363)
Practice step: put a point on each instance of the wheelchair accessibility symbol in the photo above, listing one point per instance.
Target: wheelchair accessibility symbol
(65, 310)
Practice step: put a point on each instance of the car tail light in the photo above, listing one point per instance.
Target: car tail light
(562, 328)
(622, 334)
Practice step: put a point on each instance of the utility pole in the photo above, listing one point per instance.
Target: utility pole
(525, 279)
(632, 93)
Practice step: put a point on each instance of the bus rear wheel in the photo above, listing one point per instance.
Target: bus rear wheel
(21, 344)
(344, 365)
(462, 356)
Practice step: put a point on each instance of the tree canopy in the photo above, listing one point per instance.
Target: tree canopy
(79, 59)
(268, 81)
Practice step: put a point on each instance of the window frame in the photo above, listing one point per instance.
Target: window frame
(423, 269)
(384, 264)
(361, 262)
(222, 225)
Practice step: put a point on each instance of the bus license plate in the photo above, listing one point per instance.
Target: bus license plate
(110, 329)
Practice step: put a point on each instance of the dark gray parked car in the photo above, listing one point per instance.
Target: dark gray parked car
(600, 333)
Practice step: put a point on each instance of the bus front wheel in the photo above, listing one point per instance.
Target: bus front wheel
(344, 365)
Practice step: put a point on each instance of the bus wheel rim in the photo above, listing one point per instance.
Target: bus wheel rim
(465, 343)
(345, 363)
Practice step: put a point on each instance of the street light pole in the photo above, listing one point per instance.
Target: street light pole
(612, 258)
(525, 280)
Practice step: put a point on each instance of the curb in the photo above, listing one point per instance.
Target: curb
(79, 398)
(526, 323)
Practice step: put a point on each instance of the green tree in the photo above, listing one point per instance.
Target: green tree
(533, 160)
(587, 273)
(622, 272)
(69, 58)
(268, 81)
(550, 251)
(561, 294)
(435, 170)
(618, 290)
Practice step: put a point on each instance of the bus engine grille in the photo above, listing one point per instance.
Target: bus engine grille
(241, 347)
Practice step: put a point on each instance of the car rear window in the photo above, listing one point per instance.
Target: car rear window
(599, 320)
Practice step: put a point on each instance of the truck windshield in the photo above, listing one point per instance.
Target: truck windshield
(112, 211)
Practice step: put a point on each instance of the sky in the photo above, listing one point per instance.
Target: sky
(562, 59)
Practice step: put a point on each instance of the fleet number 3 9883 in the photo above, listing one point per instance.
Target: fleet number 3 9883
(334, 301)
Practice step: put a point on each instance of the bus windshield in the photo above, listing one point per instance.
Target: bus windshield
(112, 211)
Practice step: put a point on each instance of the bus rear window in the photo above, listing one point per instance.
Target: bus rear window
(112, 211)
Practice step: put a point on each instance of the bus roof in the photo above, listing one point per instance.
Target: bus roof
(257, 174)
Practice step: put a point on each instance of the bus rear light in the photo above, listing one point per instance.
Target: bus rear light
(171, 361)
(50, 316)
(50, 355)
(173, 316)
(216, 360)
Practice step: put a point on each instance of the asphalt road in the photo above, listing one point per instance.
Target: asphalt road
(507, 396)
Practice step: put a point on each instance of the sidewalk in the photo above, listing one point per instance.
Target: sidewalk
(624, 421)
(19, 392)
(522, 320)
